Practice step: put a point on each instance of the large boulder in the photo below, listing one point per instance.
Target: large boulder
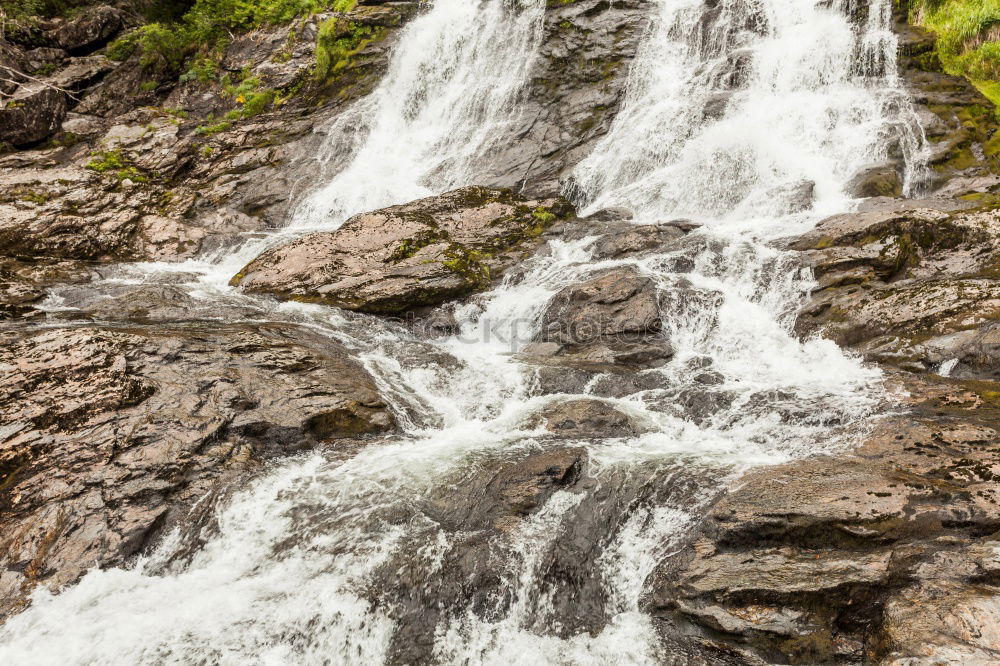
(89, 30)
(108, 435)
(31, 114)
(611, 319)
(400, 258)
(874, 555)
(915, 287)
(586, 417)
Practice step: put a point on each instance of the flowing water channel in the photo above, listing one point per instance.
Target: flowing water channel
(735, 112)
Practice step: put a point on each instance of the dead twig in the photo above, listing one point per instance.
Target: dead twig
(34, 79)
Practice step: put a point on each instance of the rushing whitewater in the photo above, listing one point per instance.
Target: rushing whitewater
(748, 118)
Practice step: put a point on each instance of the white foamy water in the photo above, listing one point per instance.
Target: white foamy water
(748, 118)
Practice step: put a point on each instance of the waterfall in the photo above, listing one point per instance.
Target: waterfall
(450, 96)
(747, 116)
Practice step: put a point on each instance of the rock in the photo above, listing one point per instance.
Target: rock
(913, 288)
(951, 616)
(16, 298)
(793, 197)
(478, 513)
(117, 93)
(15, 62)
(128, 427)
(880, 181)
(66, 213)
(619, 237)
(31, 114)
(585, 417)
(40, 57)
(89, 30)
(611, 319)
(403, 257)
(81, 73)
(163, 238)
(577, 84)
(851, 558)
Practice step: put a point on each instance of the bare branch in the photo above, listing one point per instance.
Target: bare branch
(36, 80)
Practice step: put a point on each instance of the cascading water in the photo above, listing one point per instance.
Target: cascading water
(748, 117)
(449, 98)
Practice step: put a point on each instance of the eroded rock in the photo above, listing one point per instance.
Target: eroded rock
(611, 319)
(847, 559)
(109, 434)
(31, 114)
(399, 258)
(915, 288)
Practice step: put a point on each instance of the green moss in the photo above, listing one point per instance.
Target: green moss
(963, 29)
(33, 196)
(180, 114)
(114, 163)
(468, 263)
(410, 246)
(544, 215)
(208, 130)
(46, 69)
(337, 41)
(962, 158)
(204, 69)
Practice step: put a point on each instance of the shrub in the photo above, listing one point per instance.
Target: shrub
(967, 33)
(336, 40)
(205, 27)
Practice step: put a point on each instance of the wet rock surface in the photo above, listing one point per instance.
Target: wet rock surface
(109, 434)
(111, 431)
(483, 512)
(397, 259)
(611, 319)
(109, 169)
(914, 288)
(586, 417)
(577, 87)
(879, 555)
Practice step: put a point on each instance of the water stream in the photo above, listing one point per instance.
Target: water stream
(746, 117)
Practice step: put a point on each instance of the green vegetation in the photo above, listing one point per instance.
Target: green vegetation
(20, 9)
(46, 69)
(246, 92)
(250, 97)
(203, 28)
(467, 263)
(114, 163)
(543, 215)
(209, 130)
(968, 39)
(337, 41)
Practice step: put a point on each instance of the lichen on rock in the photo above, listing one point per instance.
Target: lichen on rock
(401, 258)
